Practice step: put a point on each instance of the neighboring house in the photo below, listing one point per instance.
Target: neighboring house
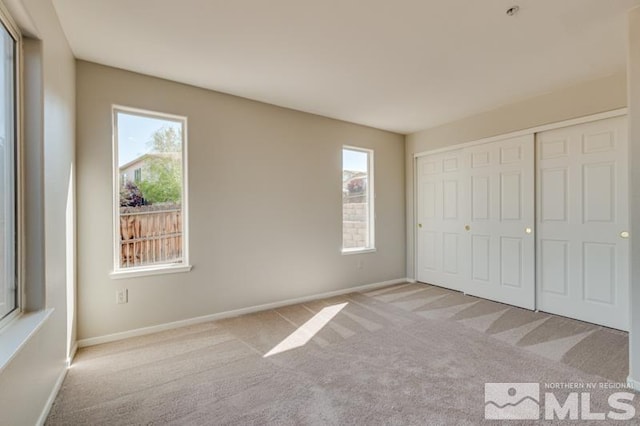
(133, 171)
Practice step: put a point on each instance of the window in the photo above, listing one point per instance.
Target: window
(357, 200)
(8, 170)
(150, 210)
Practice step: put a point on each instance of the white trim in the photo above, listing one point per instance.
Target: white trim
(227, 314)
(148, 113)
(21, 221)
(572, 122)
(410, 281)
(7, 21)
(146, 271)
(56, 388)
(22, 19)
(415, 218)
(183, 120)
(633, 384)
(371, 196)
(72, 354)
(347, 252)
(10, 318)
(10, 23)
(16, 334)
(52, 397)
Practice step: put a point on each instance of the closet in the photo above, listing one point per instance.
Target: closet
(583, 222)
(538, 221)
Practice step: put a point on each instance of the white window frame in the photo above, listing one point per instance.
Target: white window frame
(163, 268)
(12, 29)
(371, 195)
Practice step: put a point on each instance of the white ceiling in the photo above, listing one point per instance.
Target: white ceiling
(400, 65)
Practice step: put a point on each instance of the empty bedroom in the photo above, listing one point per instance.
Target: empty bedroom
(319, 213)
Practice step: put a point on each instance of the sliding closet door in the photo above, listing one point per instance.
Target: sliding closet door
(440, 228)
(583, 251)
(475, 217)
(500, 221)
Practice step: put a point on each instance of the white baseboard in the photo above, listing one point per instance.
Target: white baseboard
(411, 280)
(633, 384)
(72, 354)
(52, 397)
(234, 313)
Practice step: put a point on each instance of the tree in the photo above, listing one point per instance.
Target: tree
(166, 139)
(130, 195)
(162, 171)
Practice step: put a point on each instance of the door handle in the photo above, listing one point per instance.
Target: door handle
(624, 234)
(419, 225)
(528, 230)
(467, 228)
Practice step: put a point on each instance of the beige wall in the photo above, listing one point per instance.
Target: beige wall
(600, 95)
(28, 381)
(249, 162)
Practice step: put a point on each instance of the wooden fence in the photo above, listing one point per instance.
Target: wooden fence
(354, 198)
(150, 237)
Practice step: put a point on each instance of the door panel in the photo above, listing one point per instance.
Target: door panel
(440, 205)
(554, 204)
(554, 255)
(428, 192)
(428, 245)
(598, 192)
(481, 257)
(474, 205)
(599, 272)
(510, 196)
(480, 197)
(451, 252)
(511, 261)
(582, 209)
(450, 199)
(503, 253)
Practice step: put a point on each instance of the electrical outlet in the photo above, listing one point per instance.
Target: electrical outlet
(122, 296)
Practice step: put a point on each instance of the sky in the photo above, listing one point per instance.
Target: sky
(354, 160)
(134, 131)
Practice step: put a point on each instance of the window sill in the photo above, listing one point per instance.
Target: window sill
(358, 251)
(18, 332)
(143, 272)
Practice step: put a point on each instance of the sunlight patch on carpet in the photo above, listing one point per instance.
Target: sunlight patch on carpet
(306, 331)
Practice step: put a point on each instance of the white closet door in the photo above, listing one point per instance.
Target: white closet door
(500, 220)
(583, 253)
(474, 208)
(440, 223)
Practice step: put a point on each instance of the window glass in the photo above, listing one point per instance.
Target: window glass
(150, 190)
(357, 203)
(8, 143)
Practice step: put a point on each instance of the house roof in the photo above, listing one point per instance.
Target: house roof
(147, 155)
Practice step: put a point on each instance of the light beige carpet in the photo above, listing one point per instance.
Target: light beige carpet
(405, 354)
